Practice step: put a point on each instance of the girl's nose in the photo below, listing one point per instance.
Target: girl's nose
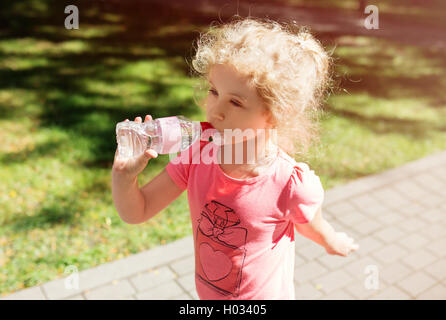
(219, 116)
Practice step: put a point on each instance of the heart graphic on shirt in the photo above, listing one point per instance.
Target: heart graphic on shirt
(216, 264)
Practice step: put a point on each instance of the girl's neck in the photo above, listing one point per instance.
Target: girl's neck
(256, 157)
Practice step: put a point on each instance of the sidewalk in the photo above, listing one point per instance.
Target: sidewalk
(398, 217)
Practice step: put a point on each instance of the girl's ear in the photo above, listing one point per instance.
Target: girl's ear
(270, 119)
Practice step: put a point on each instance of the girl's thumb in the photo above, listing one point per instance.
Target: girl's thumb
(149, 153)
(145, 157)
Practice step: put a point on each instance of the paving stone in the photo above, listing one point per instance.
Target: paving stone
(412, 224)
(334, 261)
(374, 210)
(338, 295)
(311, 250)
(390, 219)
(427, 181)
(438, 247)
(308, 271)
(183, 296)
(411, 209)
(433, 215)
(440, 171)
(105, 273)
(333, 280)
(119, 289)
(409, 189)
(298, 260)
(152, 278)
(339, 225)
(307, 291)
(300, 240)
(435, 231)
(359, 291)
(390, 253)
(194, 295)
(413, 241)
(184, 266)
(389, 234)
(367, 227)
(341, 209)
(416, 283)
(76, 297)
(394, 272)
(391, 293)
(352, 218)
(187, 281)
(347, 191)
(437, 292)
(437, 269)
(419, 259)
(368, 244)
(33, 293)
(388, 197)
(431, 200)
(441, 192)
(364, 200)
(359, 268)
(165, 291)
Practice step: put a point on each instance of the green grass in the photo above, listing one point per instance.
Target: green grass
(62, 93)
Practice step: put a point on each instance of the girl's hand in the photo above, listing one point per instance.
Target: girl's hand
(342, 245)
(131, 167)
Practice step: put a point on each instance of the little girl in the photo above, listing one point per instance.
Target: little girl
(266, 77)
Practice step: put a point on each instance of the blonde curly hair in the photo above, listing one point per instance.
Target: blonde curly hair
(288, 67)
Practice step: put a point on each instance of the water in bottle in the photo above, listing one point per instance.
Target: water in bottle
(164, 135)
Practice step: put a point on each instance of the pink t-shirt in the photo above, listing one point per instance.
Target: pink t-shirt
(243, 228)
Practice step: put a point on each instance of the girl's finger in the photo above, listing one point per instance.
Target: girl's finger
(148, 118)
(138, 119)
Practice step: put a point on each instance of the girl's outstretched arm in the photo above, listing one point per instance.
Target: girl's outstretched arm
(321, 232)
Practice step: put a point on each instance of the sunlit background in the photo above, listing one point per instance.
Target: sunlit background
(63, 91)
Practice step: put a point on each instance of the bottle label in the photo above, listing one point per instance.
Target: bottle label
(170, 134)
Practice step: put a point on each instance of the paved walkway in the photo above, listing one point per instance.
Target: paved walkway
(398, 217)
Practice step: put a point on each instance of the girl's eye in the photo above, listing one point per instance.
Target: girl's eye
(236, 103)
(232, 101)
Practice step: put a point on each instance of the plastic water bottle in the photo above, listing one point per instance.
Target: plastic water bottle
(164, 135)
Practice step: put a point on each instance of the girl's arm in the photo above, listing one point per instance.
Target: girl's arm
(321, 232)
(136, 205)
(128, 199)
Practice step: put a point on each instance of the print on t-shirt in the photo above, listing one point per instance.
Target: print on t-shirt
(220, 248)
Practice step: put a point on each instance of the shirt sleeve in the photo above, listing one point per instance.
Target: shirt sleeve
(178, 168)
(306, 194)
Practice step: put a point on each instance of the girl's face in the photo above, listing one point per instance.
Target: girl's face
(232, 103)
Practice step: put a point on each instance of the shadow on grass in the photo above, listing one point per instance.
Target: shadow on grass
(73, 105)
(141, 26)
(57, 210)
